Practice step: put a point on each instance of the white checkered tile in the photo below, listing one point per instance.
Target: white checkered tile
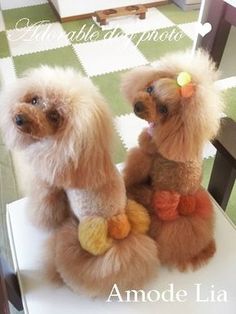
(7, 71)
(190, 29)
(2, 25)
(11, 4)
(226, 83)
(128, 127)
(132, 24)
(109, 55)
(37, 38)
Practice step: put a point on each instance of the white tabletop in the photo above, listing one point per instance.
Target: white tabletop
(41, 297)
(231, 2)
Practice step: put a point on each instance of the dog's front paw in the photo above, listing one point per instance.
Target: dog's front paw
(146, 143)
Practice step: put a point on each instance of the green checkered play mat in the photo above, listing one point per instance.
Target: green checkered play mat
(90, 57)
(26, 27)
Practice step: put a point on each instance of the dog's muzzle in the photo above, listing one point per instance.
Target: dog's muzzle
(22, 123)
(20, 120)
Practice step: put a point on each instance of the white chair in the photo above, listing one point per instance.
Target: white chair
(41, 297)
(211, 289)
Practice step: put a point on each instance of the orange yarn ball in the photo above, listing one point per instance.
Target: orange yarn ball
(187, 90)
(204, 204)
(165, 204)
(187, 204)
(118, 226)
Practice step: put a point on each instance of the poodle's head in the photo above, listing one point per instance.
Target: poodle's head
(177, 95)
(58, 117)
(35, 108)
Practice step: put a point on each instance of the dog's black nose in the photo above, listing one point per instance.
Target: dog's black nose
(139, 107)
(20, 119)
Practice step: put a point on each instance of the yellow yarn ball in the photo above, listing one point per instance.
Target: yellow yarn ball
(183, 78)
(93, 235)
(138, 217)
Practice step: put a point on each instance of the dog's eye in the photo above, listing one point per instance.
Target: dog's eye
(34, 100)
(149, 89)
(163, 109)
(53, 116)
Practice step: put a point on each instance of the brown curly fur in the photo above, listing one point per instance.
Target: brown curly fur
(171, 159)
(185, 242)
(47, 206)
(97, 274)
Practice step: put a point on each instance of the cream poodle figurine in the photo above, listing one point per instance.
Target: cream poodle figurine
(178, 97)
(63, 125)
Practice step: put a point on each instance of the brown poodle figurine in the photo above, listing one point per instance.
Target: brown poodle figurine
(64, 126)
(178, 98)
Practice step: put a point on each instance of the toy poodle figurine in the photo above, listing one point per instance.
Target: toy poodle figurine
(178, 98)
(63, 125)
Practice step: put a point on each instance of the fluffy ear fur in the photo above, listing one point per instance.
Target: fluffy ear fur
(82, 156)
(94, 164)
(182, 137)
(136, 80)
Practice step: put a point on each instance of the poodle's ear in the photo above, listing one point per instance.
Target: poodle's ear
(94, 126)
(136, 80)
(183, 136)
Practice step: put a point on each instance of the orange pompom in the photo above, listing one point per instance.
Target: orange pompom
(204, 204)
(187, 90)
(165, 204)
(118, 226)
(187, 204)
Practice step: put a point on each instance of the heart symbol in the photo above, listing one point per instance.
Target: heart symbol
(204, 29)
